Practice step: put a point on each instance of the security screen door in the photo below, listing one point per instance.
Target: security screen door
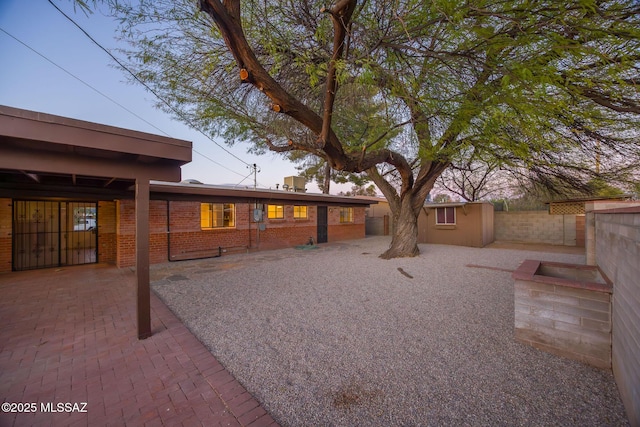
(53, 234)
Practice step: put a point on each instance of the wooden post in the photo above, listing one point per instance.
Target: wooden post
(143, 292)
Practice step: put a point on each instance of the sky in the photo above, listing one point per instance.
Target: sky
(37, 73)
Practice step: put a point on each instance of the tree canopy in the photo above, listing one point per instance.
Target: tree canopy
(399, 90)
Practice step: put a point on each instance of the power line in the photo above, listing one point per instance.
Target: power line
(79, 79)
(108, 97)
(124, 67)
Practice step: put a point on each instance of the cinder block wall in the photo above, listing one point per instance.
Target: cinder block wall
(5, 234)
(533, 227)
(570, 322)
(618, 256)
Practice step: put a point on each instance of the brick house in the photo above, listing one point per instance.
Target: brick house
(189, 221)
(69, 190)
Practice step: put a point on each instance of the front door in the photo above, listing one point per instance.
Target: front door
(322, 224)
(53, 234)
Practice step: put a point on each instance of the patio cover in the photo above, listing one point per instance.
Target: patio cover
(43, 155)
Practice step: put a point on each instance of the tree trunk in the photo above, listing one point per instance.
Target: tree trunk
(327, 178)
(405, 232)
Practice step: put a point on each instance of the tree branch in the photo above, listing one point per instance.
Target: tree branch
(227, 18)
(341, 17)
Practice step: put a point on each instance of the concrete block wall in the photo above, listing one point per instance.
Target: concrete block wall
(535, 227)
(590, 222)
(566, 321)
(6, 229)
(568, 229)
(617, 253)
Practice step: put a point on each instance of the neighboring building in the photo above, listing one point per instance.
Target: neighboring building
(462, 224)
(378, 216)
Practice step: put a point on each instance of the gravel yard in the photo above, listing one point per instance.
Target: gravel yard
(339, 337)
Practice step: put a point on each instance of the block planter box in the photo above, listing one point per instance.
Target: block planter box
(564, 309)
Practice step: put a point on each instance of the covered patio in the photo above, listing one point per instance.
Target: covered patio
(51, 158)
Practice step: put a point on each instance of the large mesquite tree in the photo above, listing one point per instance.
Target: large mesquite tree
(400, 89)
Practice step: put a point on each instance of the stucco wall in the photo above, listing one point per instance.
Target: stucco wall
(617, 237)
(473, 227)
(488, 224)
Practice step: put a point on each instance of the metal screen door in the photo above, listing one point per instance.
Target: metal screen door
(53, 234)
(322, 225)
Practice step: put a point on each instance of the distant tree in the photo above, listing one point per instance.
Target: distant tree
(360, 190)
(442, 198)
(472, 179)
(398, 89)
(317, 170)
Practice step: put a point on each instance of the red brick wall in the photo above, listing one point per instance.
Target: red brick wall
(5, 235)
(346, 231)
(189, 240)
(288, 231)
(107, 250)
(126, 232)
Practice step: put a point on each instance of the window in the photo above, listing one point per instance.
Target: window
(275, 211)
(217, 215)
(300, 212)
(446, 216)
(346, 214)
(84, 216)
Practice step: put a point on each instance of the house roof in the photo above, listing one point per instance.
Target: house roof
(182, 190)
(40, 150)
(452, 204)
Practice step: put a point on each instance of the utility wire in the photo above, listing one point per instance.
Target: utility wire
(108, 97)
(79, 79)
(124, 67)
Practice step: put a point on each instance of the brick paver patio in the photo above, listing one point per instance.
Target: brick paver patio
(69, 336)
